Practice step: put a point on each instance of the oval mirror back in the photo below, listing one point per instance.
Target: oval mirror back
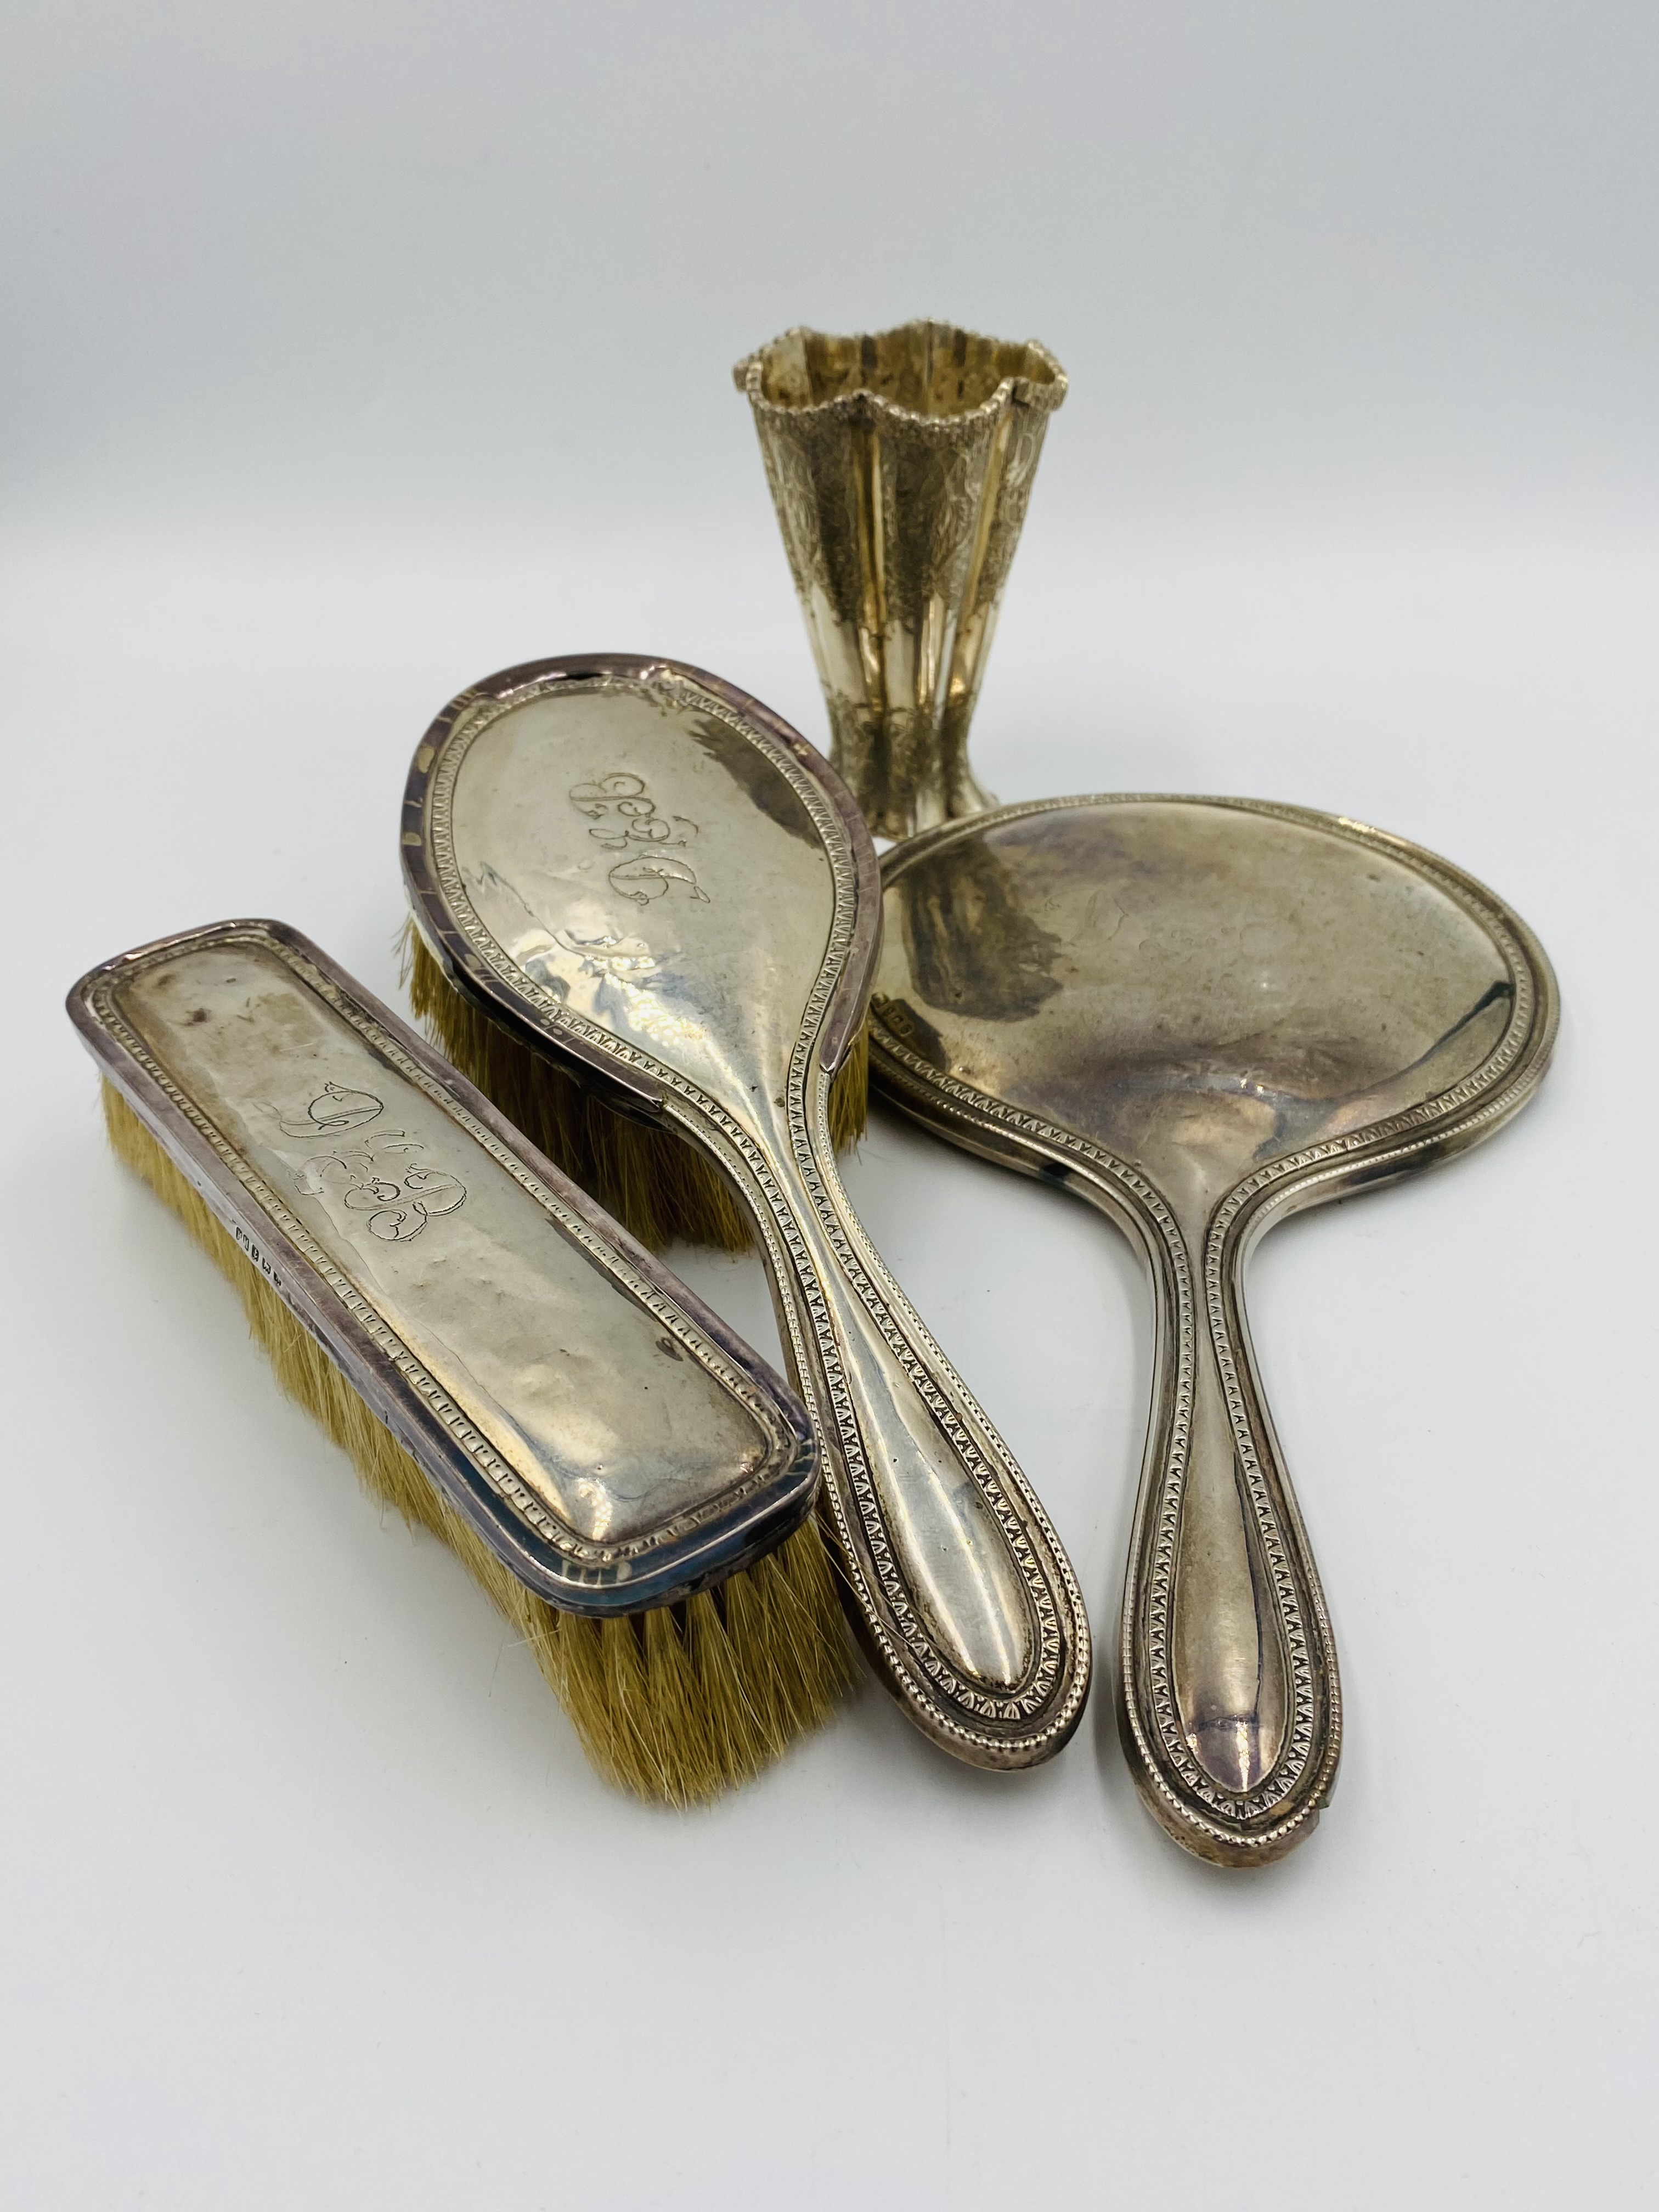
(1201, 1014)
(1200, 989)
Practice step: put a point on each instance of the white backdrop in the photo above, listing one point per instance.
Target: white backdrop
(353, 351)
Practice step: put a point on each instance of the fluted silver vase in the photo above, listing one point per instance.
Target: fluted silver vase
(900, 463)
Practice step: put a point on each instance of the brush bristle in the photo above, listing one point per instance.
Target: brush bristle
(654, 1183)
(673, 1705)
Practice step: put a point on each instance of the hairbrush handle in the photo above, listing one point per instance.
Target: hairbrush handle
(1228, 1698)
(959, 1588)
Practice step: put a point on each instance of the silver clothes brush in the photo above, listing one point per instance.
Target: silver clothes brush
(504, 1364)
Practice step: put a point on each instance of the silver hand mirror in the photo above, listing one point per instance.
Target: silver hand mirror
(1203, 1015)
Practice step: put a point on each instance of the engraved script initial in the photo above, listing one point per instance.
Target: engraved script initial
(626, 821)
(398, 1195)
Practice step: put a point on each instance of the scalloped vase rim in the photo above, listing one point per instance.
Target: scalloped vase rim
(1048, 393)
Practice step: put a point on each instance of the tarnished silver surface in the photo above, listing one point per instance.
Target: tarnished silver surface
(612, 1441)
(900, 463)
(636, 865)
(1202, 1015)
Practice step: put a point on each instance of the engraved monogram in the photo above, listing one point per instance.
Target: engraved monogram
(333, 1111)
(398, 1194)
(626, 821)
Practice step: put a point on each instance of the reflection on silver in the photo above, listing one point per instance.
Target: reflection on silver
(612, 1443)
(727, 1005)
(1202, 1015)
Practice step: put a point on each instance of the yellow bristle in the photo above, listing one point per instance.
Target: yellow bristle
(657, 1185)
(655, 1715)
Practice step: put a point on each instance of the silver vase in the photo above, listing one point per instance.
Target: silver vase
(899, 464)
